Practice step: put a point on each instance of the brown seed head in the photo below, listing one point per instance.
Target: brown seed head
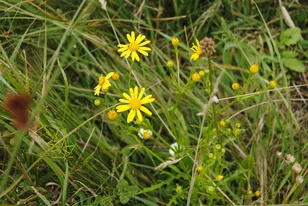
(208, 46)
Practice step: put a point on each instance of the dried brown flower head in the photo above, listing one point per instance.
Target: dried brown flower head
(18, 105)
(208, 46)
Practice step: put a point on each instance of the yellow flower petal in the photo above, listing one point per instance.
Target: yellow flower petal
(145, 110)
(109, 75)
(122, 49)
(128, 38)
(97, 90)
(147, 100)
(131, 115)
(194, 57)
(122, 108)
(141, 93)
(143, 52)
(135, 56)
(126, 96)
(139, 115)
(144, 48)
(144, 43)
(127, 55)
(132, 36)
(122, 45)
(135, 92)
(140, 38)
(131, 92)
(124, 101)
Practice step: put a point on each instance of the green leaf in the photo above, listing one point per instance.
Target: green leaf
(126, 192)
(248, 163)
(289, 54)
(290, 36)
(294, 64)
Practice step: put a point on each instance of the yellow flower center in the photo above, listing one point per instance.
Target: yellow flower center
(146, 134)
(135, 103)
(101, 81)
(199, 51)
(133, 46)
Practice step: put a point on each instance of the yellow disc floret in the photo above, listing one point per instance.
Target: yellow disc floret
(195, 77)
(254, 68)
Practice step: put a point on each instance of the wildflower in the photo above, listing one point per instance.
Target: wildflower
(219, 177)
(145, 134)
(207, 46)
(237, 132)
(299, 179)
(170, 63)
(133, 46)
(238, 125)
(218, 146)
(112, 115)
(200, 168)
(223, 150)
(173, 148)
(134, 103)
(278, 154)
(97, 102)
(115, 76)
(222, 123)
(103, 83)
(211, 155)
(235, 86)
(254, 68)
(175, 41)
(257, 193)
(195, 77)
(197, 51)
(272, 84)
(202, 73)
(210, 189)
(290, 158)
(297, 168)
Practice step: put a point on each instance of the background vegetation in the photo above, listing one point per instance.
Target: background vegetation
(74, 155)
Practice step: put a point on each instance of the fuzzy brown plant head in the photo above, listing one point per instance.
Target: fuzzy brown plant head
(18, 106)
(208, 46)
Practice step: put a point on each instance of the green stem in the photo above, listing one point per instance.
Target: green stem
(130, 74)
(213, 105)
(177, 64)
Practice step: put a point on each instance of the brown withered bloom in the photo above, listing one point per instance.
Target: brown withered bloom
(207, 46)
(18, 106)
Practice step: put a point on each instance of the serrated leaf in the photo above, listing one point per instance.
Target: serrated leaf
(289, 54)
(290, 36)
(294, 64)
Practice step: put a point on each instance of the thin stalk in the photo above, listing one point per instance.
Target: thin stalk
(213, 105)
(177, 64)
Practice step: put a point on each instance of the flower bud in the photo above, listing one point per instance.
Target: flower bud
(175, 41)
(290, 158)
(254, 68)
(297, 168)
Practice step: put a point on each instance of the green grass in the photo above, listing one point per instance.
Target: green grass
(73, 154)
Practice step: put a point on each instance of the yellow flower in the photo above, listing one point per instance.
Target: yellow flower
(219, 177)
(133, 46)
(254, 68)
(272, 84)
(170, 63)
(235, 86)
(195, 77)
(222, 123)
(200, 168)
(257, 193)
(115, 76)
(97, 102)
(103, 83)
(175, 41)
(197, 51)
(134, 103)
(112, 115)
(201, 73)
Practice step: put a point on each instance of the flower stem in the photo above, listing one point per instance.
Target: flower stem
(213, 105)
(130, 74)
(177, 64)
